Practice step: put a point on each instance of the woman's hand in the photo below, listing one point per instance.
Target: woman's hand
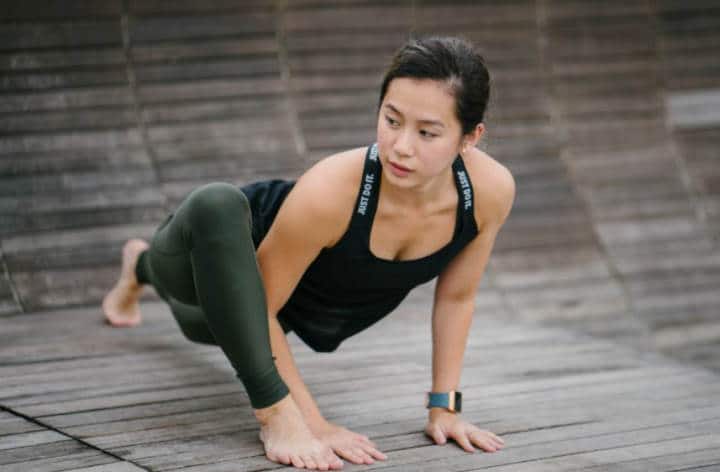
(354, 447)
(444, 424)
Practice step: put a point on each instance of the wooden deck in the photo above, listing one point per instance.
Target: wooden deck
(76, 394)
(605, 112)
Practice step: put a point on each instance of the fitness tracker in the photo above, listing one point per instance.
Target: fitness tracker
(451, 401)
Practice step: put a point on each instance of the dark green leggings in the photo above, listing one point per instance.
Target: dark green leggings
(201, 261)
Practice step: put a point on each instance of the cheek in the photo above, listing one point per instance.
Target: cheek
(383, 137)
(433, 160)
(383, 129)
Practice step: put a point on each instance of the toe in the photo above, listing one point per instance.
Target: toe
(309, 462)
(297, 462)
(284, 458)
(334, 462)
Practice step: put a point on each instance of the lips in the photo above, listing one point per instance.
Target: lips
(405, 169)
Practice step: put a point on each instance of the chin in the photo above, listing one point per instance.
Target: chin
(402, 182)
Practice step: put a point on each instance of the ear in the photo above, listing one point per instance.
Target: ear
(471, 139)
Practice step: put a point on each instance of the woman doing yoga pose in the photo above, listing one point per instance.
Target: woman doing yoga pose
(330, 254)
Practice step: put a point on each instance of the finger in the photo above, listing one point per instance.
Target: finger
(464, 442)
(484, 442)
(499, 444)
(494, 439)
(360, 441)
(366, 440)
(366, 459)
(376, 454)
(439, 436)
(350, 455)
(363, 442)
(491, 435)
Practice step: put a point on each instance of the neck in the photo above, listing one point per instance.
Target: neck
(419, 197)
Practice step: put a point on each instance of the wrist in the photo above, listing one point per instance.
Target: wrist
(438, 412)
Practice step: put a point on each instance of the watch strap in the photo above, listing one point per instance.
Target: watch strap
(451, 401)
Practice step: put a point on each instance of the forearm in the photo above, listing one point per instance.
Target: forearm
(451, 323)
(288, 371)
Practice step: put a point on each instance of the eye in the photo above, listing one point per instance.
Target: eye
(391, 121)
(428, 134)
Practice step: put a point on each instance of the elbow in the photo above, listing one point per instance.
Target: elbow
(457, 301)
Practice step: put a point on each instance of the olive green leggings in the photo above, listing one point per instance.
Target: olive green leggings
(201, 261)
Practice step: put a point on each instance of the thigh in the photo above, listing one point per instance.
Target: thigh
(169, 256)
(169, 261)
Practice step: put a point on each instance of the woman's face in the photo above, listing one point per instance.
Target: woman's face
(418, 130)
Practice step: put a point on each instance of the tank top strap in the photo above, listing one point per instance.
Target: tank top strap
(464, 185)
(367, 199)
(466, 212)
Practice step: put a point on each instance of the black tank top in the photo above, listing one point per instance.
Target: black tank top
(346, 288)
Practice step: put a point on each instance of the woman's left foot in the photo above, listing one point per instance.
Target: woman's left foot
(120, 305)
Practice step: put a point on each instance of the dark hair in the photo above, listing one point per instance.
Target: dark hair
(451, 59)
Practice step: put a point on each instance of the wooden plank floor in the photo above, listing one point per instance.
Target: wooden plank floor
(26, 445)
(79, 395)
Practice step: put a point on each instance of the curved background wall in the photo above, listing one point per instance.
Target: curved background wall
(607, 113)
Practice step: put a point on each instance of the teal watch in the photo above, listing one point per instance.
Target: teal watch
(451, 401)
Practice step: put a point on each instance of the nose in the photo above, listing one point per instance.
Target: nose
(403, 145)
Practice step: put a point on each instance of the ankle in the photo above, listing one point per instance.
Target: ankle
(130, 286)
(279, 408)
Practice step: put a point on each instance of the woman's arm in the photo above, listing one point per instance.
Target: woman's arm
(454, 304)
(314, 215)
(453, 307)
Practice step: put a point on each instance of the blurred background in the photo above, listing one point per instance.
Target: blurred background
(606, 112)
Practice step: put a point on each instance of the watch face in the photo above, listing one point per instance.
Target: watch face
(458, 402)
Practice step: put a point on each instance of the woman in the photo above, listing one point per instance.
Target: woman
(334, 252)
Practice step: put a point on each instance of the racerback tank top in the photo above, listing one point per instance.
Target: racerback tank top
(347, 288)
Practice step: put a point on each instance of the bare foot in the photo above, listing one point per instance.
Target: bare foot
(288, 440)
(120, 305)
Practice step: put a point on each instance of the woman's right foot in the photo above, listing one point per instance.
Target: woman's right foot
(288, 440)
(120, 305)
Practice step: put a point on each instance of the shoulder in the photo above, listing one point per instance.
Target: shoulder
(332, 182)
(325, 194)
(333, 173)
(493, 187)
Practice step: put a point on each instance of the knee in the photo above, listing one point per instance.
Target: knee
(218, 203)
(198, 334)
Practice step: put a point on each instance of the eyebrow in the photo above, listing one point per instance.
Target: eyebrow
(430, 122)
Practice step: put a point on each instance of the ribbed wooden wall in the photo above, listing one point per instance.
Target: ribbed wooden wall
(605, 112)
(686, 310)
